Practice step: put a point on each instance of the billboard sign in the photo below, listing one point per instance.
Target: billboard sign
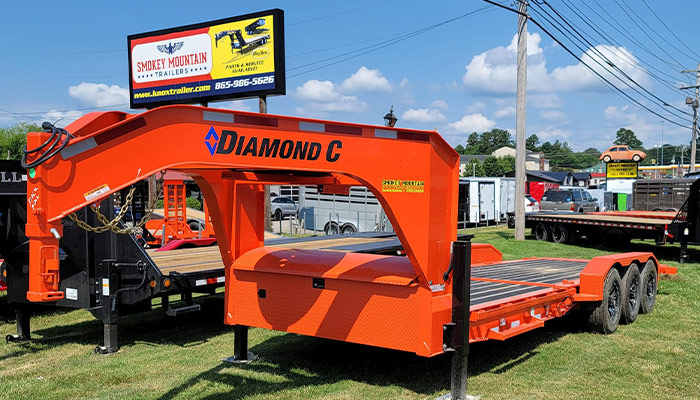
(618, 170)
(230, 58)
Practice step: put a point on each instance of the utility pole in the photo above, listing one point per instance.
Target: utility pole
(520, 122)
(262, 107)
(694, 104)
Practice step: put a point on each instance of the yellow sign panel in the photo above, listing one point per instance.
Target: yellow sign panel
(621, 170)
(402, 186)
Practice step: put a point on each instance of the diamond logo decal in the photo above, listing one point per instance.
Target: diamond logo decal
(211, 140)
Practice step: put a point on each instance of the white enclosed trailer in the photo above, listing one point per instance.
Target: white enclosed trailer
(485, 200)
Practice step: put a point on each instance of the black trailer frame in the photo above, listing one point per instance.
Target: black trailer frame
(107, 274)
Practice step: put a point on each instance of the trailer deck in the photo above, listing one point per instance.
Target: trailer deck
(616, 226)
(186, 260)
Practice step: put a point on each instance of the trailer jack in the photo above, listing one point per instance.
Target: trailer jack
(456, 333)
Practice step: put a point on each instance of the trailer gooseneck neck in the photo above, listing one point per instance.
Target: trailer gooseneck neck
(231, 155)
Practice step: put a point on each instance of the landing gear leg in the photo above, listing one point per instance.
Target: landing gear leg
(23, 316)
(241, 355)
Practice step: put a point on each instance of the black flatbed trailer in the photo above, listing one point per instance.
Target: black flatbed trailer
(622, 226)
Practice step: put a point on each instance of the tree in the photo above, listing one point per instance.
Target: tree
(531, 143)
(474, 168)
(459, 149)
(494, 139)
(506, 164)
(627, 137)
(491, 166)
(13, 138)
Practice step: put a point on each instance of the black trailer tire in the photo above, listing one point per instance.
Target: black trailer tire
(560, 233)
(631, 294)
(605, 317)
(649, 280)
(332, 229)
(543, 232)
(349, 228)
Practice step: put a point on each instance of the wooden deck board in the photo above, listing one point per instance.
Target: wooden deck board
(208, 258)
(605, 218)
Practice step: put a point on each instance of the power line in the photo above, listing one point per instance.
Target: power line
(368, 49)
(604, 58)
(657, 33)
(626, 34)
(617, 90)
(669, 29)
(644, 31)
(338, 13)
(605, 37)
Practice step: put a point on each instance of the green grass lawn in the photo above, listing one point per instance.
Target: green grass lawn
(657, 357)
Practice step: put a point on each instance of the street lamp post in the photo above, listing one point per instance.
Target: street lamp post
(390, 118)
(662, 143)
(656, 164)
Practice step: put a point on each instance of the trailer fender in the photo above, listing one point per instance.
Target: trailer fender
(593, 275)
(483, 253)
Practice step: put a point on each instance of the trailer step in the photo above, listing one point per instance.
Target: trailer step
(174, 312)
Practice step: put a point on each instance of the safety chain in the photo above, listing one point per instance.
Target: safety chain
(113, 225)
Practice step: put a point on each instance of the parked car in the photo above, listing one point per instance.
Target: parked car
(622, 153)
(282, 206)
(568, 200)
(531, 205)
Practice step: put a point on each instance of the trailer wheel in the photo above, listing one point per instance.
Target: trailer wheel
(631, 294)
(605, 317)
(560, 234)
(349, 228)
(542, 232)
(648, 283)
(331, 229)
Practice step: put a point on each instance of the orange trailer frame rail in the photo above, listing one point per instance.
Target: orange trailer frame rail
(403, 303)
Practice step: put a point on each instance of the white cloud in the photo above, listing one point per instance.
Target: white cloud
(99, 94)
(476, 107)
(238, 105)
(423, 115)
(553, 115)
(61, 118)
(345, 104)
(404, 82)
(544, 100)
(508, 111)
(440, 104)
(318, 91)
(495, 70)
(366, 80)
(550, 134)
(648, 132)
(472, 123)
(323, 96)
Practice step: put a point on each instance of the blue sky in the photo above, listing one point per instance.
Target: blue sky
(61, 59)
